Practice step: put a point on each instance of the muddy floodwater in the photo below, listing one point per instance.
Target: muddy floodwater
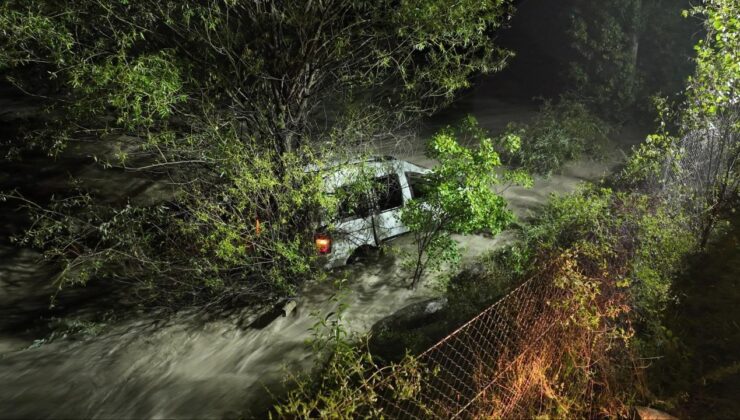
(185, 366)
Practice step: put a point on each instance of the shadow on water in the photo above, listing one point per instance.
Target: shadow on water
(701, 371)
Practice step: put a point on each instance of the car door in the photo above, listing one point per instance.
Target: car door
(354, 226)
(388, 195)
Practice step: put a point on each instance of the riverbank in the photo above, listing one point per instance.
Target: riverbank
(700, 374)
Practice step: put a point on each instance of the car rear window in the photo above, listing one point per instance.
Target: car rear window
(386, 194)
(418, 184)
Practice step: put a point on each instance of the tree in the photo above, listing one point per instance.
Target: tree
(459, 195)
(559, 133)
(606, 37)
(624, 52)
(698, 166)
(273, 66)
(226, 101)
(709, 165)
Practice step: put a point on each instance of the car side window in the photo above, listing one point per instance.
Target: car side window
(353, 202)
(418, 184)
(388, 192)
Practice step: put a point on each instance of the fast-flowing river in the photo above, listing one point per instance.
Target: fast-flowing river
(186, 366)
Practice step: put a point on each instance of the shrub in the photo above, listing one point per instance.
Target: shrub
(236, 230)
(491, 278)
(459, 197)
(561, 132)
(642, 241)
(349, 381)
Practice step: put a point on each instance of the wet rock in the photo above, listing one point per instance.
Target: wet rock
(647, 413)
(281, 308)
(289, 307)
(413, 315)
(413, 329)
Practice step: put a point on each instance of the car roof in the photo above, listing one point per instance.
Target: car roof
(343, 173)
(336, 164)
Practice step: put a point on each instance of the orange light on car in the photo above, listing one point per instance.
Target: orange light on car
(323, 243)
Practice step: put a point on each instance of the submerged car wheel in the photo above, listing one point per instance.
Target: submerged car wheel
(364, 254)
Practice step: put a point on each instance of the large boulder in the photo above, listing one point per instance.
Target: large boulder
(647, 413)
(413, 328)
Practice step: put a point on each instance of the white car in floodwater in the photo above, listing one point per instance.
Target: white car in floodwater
(364, 222)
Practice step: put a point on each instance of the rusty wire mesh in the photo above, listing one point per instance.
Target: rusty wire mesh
(468, 374)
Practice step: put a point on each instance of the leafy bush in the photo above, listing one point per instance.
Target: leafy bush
(459, 197)
(480, 286)
(241, 230)
(641, 241)
(349, 380)
(560, 133)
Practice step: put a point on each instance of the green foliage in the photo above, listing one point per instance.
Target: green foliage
(568, 219)
(223, 218)
(201, 245)
(693, 158)
(87, 239)
(641, 244)
(613, 255)
(74, 328)
(349, 381)
(605, 37)
(274, 67)
(625, 52)
(715, 86)
(664, 245)
(459, 198)
(648, 159)
(473, 290)
(560, 133)
(142, 91)
(414, 329)
(224, 104)
(699, 367)
(436, 27)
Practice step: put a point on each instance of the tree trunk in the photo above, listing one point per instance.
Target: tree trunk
(637, 24)
(706, 233)
(418, 271)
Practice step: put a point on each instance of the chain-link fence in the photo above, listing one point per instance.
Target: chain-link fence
(472, 372)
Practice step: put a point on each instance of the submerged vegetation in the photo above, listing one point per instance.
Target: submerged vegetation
(273, 88)
(560, 133)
